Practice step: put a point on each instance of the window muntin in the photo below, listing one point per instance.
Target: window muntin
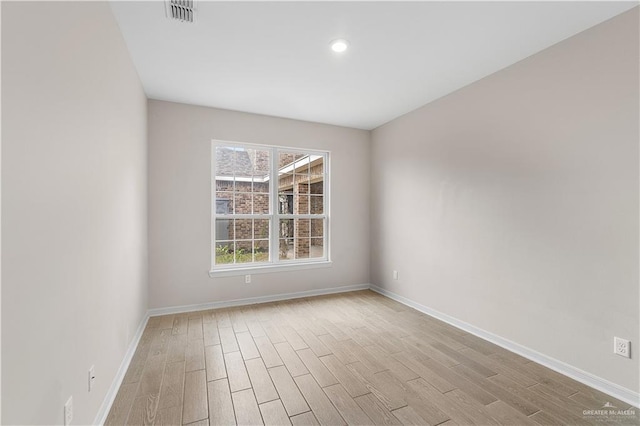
(257, 223)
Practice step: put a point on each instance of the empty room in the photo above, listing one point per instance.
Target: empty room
(320, 213)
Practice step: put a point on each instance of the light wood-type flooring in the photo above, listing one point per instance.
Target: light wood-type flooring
(355, 358)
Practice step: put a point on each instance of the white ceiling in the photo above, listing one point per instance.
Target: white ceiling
(274, 58)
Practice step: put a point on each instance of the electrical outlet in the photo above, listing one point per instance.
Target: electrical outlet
(247, 279)
(68, 411)
(92, 377)
(622, 347)
(395, 275)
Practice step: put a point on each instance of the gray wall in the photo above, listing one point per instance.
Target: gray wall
(74, 207)
(512, 204)
(180, 203)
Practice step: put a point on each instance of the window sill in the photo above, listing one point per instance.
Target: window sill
(265, 269)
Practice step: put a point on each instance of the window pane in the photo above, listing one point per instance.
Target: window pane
(244, 229)
(224, 229)
(285, 178)
(302, 232)
(260, 203)
(301, 188)
(243, 185)
(301, 204)
(243, 166)
(286, 228)
(244, 252)
(286, 248)
(287, 158)
(224, 185)
(224, 252)
(285, 202)
(301, 166)
(224, 202)
(260, 186)
(317, 228)
(261, 251)
(261, 229)
(302, 248)
(225, 161)
(316, 249)
(316, 204)
(285, 192)
(243, 203)
(303, 179)
(317, 185)
(261, 160)
(302, 228)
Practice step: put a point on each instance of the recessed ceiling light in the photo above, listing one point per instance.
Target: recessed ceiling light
(339, 45)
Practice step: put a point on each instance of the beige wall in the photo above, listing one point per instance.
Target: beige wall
(180, 199)
(512, 204)
(74, 207)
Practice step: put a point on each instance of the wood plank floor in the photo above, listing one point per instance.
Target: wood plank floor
(354, 358)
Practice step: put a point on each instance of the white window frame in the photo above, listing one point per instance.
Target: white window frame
(274, 264)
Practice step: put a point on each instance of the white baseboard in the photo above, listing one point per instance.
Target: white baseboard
(603, 385)
(254, 300)
(103, 412)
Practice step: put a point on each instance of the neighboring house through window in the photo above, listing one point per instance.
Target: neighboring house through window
(270, 207)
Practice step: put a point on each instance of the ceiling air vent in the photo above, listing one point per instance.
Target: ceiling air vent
(180, 10)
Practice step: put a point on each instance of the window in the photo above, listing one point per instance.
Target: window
(269, 207)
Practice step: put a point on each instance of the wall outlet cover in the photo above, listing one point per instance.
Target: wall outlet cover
(622, 347)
